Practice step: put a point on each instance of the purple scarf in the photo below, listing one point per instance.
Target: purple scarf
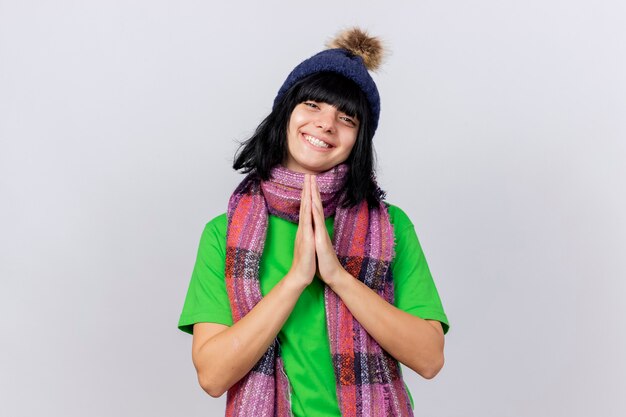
(369, 380)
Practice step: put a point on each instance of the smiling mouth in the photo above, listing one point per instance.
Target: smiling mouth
(318, 143)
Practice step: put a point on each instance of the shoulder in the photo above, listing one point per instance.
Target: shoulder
(398, 218)
(220, 221)
(215, 229)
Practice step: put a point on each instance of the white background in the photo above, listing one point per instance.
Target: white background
(502, 135)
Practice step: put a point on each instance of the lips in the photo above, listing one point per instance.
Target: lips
(316, 142)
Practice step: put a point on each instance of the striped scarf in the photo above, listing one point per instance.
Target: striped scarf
(369, 380)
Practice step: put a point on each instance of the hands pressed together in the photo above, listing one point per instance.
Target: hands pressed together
(313, 249)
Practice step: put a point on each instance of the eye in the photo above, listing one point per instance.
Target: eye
(348, 120)
(311, 104)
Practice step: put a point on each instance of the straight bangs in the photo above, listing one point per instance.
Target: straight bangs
(334, 89)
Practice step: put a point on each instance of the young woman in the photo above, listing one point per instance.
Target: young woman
(311, 289)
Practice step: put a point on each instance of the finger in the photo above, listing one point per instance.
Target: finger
(307, 200)
(318, 215)
(317, 201)
(302, 201)
(317, 192)
(325, 237)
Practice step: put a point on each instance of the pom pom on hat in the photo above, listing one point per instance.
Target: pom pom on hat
(358, 42)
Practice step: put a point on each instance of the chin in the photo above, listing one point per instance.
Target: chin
(308, 166)
(316, 168)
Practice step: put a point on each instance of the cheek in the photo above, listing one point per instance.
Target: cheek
(347, 150)
(292, 127)
(292, 131)
(297, 118)
(351, 143)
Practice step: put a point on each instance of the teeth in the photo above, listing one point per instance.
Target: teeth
(316, 142)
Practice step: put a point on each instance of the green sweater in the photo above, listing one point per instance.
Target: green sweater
(304, 339)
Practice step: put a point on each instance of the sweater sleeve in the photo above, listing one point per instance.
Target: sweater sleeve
(207, 299)
(414, 287)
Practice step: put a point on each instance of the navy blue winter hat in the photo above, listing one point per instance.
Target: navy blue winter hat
(353, 52)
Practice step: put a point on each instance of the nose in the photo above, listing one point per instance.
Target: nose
(326, 121)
